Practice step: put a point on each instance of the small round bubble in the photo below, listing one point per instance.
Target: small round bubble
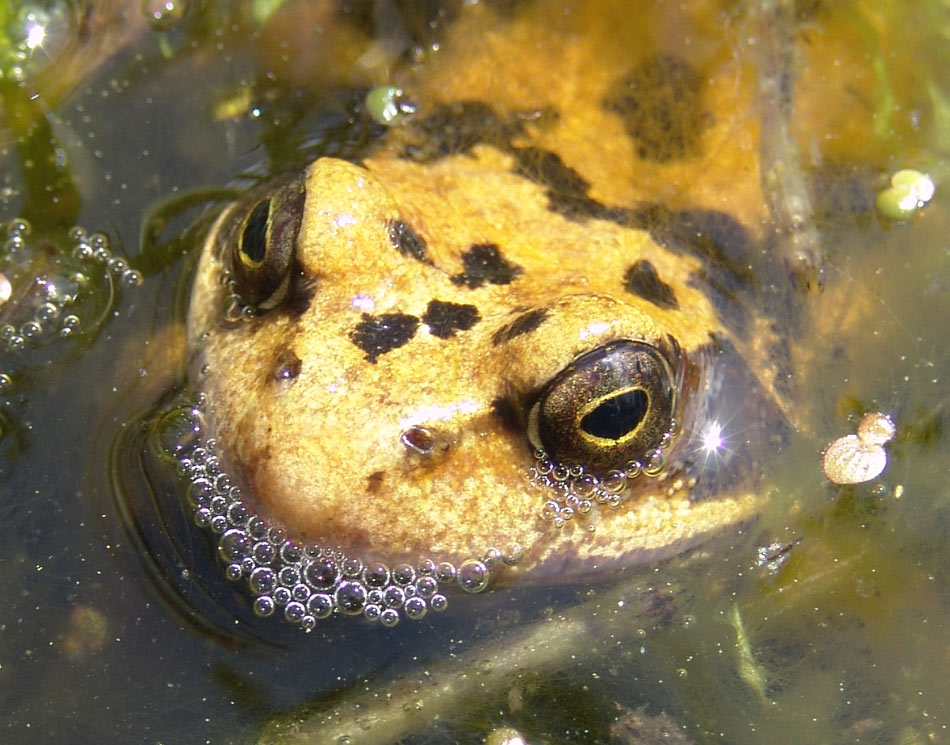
(320, 605)
(389, 618)
(234, 572)
(512, 554)
(615, 482)
(234, 545)
(350, 597)
(372, 612)
(376, 574)
(352, 567)
(308, 622)
(446, 572)
(282, 596)
(416, 608)
(294, 611)
(264, 606)
(404, 574)
(322, 574)
(288, 575)
(262, 580)
(290, 551)
(473, 576)
(219, 523)
(426, 586)
(394, 597)
(300, 592)
(438, 602)
(263, 552)
(426, 567)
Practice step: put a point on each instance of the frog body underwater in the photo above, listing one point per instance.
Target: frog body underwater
(506, 343)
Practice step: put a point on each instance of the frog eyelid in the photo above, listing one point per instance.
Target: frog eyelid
(263, 244)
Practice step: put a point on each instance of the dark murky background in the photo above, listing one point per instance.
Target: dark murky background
(847, 641)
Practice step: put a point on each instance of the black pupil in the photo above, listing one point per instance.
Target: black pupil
(616, 416)
(254, 238)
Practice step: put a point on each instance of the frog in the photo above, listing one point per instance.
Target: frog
(506, 344)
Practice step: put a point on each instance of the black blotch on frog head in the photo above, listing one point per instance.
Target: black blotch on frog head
(484, 264)
(407, 241)
(660, 104)
(287, 367)
(565, 188)
(641, 279)
(377, 335)
(444, 319)
(523, 324)
(456, 128)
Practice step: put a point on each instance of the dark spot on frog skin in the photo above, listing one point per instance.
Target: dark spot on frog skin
(287, 368)
(641, 279)
(660, 104)
(374, 482)
(523, 324)
(483, 264)
(547, 169)
(456, 128)
(407, 241)
(377, 335)
(444, 319)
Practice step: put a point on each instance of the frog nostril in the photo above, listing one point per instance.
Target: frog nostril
(423, 441)
(618, 416)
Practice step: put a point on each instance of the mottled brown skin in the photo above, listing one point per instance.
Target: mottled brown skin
(323, 448)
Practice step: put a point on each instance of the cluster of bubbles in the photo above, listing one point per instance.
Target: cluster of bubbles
(572, 491)
(307, 582)
(40, 295)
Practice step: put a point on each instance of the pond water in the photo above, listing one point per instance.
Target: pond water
(824, 619)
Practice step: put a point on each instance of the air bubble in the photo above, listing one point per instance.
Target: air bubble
(294, 611)
(389, 618)
(376, 574)
(219, 524)
(263, 553)
(372, 612)
(234, 546)
(426, 586)
(655, 463)
(473, 576)
(416, 608)
(513, 553)
(549, 510)
(492, 557)
(615, 482)
(262, 580)
(320, 605)
(394, 597)
(322, 574)
(202, 517)
(352, 567)
(176, 432)
(438, 602)
(234, 572)
(308, 623)
(291, 551)
(288, 575)
(264, 606)
(350, 597)
(404, 574)
(282, 596)
(427, 567)
(584, 486)
(446, 572)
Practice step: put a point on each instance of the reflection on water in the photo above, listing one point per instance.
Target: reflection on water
(825, 617)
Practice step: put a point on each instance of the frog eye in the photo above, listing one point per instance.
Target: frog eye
(610, 406)
(262, 244)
